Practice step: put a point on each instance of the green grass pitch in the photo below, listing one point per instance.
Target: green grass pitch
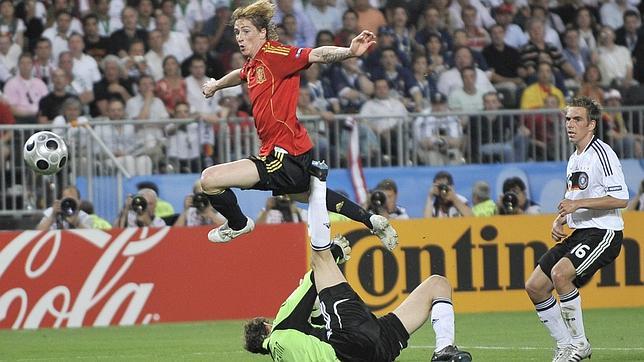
(615, 334)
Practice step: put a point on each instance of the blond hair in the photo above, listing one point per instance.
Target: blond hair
(260, 14)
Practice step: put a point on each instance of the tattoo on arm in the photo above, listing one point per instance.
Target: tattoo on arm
(330, 54)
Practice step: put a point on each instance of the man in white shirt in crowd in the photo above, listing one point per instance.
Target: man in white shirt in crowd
(154, 56)
(85, 66)
(81, 87)
(467, 98)
(60, 32)
(452, 78)
(174, 42)
(324, 15)
(614, 61)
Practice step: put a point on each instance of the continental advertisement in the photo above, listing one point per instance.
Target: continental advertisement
(487, 261)
(133, 276)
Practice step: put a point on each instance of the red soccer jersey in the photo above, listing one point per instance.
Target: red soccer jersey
(273, 84)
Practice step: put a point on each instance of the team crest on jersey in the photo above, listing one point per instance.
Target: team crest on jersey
(578, 181)
(260, 76)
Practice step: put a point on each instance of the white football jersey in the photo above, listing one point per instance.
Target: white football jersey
(594, 173)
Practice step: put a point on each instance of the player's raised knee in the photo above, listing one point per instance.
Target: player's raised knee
(436, 281)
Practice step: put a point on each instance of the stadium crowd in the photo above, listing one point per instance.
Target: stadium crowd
(147, 59)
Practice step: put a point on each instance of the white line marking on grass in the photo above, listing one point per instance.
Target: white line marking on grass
(133, 355)
(618, 349)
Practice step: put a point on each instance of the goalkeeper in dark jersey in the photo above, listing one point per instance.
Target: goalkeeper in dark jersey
(350, 332)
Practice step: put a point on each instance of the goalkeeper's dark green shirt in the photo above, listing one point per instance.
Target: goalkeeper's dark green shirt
(293, 338)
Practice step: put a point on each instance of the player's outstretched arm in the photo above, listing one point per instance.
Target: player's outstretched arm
(213, 85)
(330, 54)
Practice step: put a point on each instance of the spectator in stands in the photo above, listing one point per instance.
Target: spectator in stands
(43, 61)
(386, 41)
(140, 213)
(483, 18)
(433, 26)
(585, 24)
(504, 62)
(637, 203)
(630, 32)
(459, 37)
(534, 96)
(76, 135)
(174, 42)
(280, 209)
(497, 136)
(96, 45)
(80, 87)
(122, 141)
(200, 48)
(403, 36)
(467, 98)
(97, 221)
(384, 113)
(538, 50)
(134, 63)
(204, 108)
(197, 210)
(436, 57)
(185, 141)
(85, 67)
(154, 57)
(579, 58)
(290, 35)
(513, 35)
(169, 9)
(144, 104)
(614, 61)
(305, 26)
(443, 201)
(614, 131)
(112, 85)
(369, 18)
(163, 208)
(324, 38)
(318, 129)
(192, 12)
(514, 200)
(50, 105)
(9, 54)
(323, 15)
(107, 24)
(590, 87)
(220, 32)
(477, 37)
(388, 207)
(59, 33)
(6, 136)
(452, 79)
(349, 28)
(481, 201)
(10, 24)
(424, 81)
(171, 89)
(612, 13)
(33, 17)
(351, 85)
(65, 213)
(146, 15)
(550, 34)
(121, 39)
(23, 92)
(320, 90)
(439, 139)
(400, 79)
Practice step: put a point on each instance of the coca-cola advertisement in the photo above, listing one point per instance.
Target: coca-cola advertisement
(82, 277)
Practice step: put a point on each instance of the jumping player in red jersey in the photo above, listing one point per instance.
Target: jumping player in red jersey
(272, 73)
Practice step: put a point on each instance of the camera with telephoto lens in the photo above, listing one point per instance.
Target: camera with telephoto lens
(200, 201)
(139, 204)
(68, 206)
(509, 203)
(377, 202)
(443, 189)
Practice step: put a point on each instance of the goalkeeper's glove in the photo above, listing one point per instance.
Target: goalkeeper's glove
(341, 249)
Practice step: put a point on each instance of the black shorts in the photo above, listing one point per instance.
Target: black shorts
(283, 173)
(354, 332)
(588, 249)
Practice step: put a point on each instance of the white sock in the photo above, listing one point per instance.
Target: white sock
(442, 318)
(572, 316)
(318, 216)
(549, 313)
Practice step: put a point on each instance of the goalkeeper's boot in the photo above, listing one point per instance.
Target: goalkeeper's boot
(451, 354)
(384, 231)
(224, 233)
(319, 169)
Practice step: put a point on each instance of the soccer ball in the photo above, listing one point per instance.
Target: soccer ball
(45, 153)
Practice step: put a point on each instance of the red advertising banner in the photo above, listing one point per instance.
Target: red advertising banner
(140, 276)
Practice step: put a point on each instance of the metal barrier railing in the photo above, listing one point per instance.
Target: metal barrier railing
(100, 156)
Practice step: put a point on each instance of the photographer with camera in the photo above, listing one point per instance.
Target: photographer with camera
(383, 201)
(139, 211)
(65, 213)
(197, 210)
(280, 209)
(514, 200)
(443, 201)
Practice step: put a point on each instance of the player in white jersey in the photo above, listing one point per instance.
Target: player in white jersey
(595, 192)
